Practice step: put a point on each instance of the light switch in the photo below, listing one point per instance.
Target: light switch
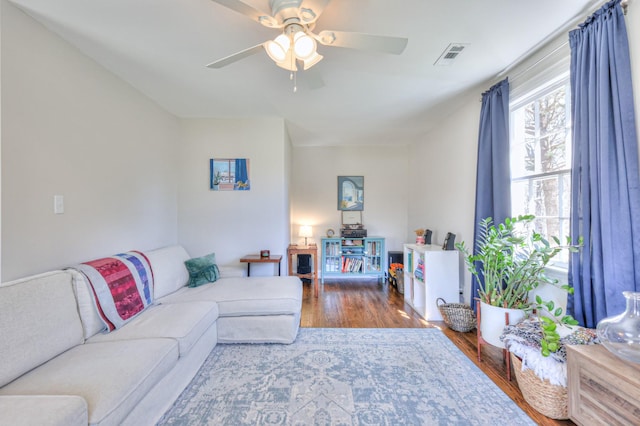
(58, 204)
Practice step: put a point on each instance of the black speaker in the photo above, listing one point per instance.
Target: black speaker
(304, 264)
(427, 236)
(449, 241)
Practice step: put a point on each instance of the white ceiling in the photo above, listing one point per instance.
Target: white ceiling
(161, 47)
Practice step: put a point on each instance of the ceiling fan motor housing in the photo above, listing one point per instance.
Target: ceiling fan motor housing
(286, 11)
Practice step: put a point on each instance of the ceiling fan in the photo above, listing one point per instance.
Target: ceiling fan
(298, 42)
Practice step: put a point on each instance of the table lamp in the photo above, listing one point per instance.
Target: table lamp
(306, 232)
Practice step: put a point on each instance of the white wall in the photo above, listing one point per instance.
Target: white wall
(443, 173)
(234, 223)
(71, 128)
(386, 190)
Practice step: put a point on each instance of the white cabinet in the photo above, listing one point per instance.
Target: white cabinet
(430, 273)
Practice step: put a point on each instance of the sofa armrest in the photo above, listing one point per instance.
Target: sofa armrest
(43, 410)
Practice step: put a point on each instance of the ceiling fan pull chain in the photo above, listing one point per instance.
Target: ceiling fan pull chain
(295, 82)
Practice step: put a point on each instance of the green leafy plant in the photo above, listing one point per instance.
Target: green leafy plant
(510, 262)
(217, 178)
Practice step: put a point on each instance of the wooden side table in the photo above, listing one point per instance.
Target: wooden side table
(311, 249)
(602, 388)
(256, 258)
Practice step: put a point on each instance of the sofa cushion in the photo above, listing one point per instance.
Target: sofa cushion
(168, 269)
(184, 322)
(247, 296)
(67, 410)
(40, 320)
(202, 270)
(111, 376)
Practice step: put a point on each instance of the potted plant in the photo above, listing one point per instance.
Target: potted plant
(510, 263)
(216, 180)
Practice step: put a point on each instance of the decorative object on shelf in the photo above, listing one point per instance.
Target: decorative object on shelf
(621, 334)
(229, 174)
(305, 232)
(351, 193)
(265, 253)
(457, 316)
(510, 262)
(330, 233)
(352, 225)
(449, 241)
(427, 236)
(420, 239)
(543, 380)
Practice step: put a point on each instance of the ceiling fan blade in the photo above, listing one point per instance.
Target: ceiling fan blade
(310, 10)
(243, 8)
(236, 57)
(376, 43)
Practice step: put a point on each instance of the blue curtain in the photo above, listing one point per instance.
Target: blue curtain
(493, 177)
(242, 176)
(605, 199)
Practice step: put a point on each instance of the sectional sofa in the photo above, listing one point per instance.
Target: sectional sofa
(59, 366)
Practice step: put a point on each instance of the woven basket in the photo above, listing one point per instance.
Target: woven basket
(550, 400)
(457, 316)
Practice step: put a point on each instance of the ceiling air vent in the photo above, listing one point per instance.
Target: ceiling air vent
(450, 53)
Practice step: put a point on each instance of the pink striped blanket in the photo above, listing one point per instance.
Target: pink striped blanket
(122, 286)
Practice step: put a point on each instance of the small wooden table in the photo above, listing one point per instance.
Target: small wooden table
(256, 258)
(311, 249)
(602, 388)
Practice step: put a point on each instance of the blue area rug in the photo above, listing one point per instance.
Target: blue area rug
(344, 377)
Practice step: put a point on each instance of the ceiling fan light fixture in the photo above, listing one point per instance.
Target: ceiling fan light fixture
(288, 63)
(277, 49)
(303, 46)
(314, 59)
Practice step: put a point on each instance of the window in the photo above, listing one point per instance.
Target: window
(541, 158)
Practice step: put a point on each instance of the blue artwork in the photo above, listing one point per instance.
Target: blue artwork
(350, 192)
(229, 174)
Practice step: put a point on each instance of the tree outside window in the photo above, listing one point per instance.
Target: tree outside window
(541, 159)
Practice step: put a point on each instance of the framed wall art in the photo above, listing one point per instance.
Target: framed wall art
(350, 193)
(229, 174)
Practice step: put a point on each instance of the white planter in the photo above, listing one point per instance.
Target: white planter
(492, 322)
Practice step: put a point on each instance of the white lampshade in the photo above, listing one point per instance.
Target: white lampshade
(303, 46)
(305, 231)
(289, 62)
(314, 59)
(277, 49)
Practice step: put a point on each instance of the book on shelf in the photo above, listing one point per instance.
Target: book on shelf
(350, 264)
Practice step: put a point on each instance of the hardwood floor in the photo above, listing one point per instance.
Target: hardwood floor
(365, 303)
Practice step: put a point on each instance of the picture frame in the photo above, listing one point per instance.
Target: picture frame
(351, 193)
(229, 174)
(351, 217)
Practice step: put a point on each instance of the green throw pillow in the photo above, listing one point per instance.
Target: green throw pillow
(202, 270)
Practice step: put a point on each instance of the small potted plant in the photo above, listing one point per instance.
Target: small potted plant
(216, 180)
(509, 264)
